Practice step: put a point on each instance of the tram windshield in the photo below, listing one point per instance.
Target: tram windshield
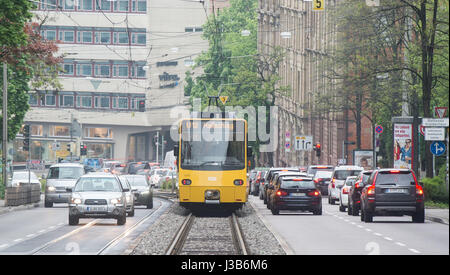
(213, 145)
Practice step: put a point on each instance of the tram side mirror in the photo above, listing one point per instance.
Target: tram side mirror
(176, 148)
(249, 152)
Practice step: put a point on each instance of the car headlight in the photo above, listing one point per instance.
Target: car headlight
(116, 200)
(51, 188)
(75, 200)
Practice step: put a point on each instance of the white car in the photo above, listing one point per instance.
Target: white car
(343, 195)
(156, 176)
(338, 178)
(22, 177)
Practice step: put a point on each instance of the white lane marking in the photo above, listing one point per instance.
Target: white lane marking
(51, 227)
(3, 245)
(353, 223)
(17, 240)
(360, 226)
(31, 235)
(387, 238)
(378, 234)
(415, 251)
(368, 230)
(400, 244)
(41, 231)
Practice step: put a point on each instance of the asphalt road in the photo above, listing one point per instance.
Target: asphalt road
(337, 233)
(46, 231)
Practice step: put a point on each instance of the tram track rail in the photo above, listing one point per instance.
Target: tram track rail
(217, 236)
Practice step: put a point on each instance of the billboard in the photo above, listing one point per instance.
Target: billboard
(363, 158)
(403, 146)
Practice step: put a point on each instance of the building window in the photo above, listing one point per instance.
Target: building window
(102, 102)
(67, 36)
(59, 131)
(138, 38)
(103, 37)
(50, 100)
(120, 102)
(68, 69)
(66, 101)
(34, 99)
(68, 4)
(49, 34)
(102, 70)
(84, 101)
(85, 5)
(104, 5)
(84, 69)
(138, 71)
(121, 38)
(36, 130)
(139, 5)
(121, 70)
(99, 133)
(84, 37)
(193, 29)
(121, 5)
(48, 4)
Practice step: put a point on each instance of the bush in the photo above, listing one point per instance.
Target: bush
(435, 190)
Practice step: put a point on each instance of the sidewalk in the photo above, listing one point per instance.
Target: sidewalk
(437, 215)
(6, 209)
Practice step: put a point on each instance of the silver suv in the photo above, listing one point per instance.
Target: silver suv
(60, 177)
(98, 195)
(338, 178)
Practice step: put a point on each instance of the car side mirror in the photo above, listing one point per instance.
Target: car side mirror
(133, 190)
(69, 190)
(126, 190)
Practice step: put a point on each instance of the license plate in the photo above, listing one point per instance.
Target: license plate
(397, 191)
(96, 208)
(298, 194)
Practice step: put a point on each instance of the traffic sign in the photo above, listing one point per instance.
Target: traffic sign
(379, 129)
(318, 5)
(435, 122)
(303, 143)
(434, 133)
(223, 99)
(437, 148)
(440, 112)
(422, 130)
(287, 146)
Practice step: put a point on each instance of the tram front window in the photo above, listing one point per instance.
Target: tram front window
(212, 155)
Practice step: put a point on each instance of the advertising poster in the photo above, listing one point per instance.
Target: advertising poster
(363, 158)
(403, 146)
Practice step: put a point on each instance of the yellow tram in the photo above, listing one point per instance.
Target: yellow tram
(212, 162)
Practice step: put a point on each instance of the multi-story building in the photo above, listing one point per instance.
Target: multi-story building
(307, 37)
(118, 54)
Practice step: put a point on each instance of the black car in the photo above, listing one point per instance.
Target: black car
(354, 194)
(276, 176)
(322, 180)
(392, 192)
(295, 193)
(313, 169)
(268, 178)
(257, 182)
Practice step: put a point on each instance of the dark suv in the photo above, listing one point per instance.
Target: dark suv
(354, 195)
(392, 192)
(268, 178)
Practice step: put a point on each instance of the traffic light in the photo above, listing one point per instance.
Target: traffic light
(68, 147)
(83, 150)
(317, 148)
(141, 105)
(26, 135)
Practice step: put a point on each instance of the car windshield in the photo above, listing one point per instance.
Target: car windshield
(137, 181)
(324, 174)
(350, 182)
(65, 172)
(134, 167)
(403, 179)
(162, 172)
(97, 184)
(119, 167)
(297, 184)
(344, 174)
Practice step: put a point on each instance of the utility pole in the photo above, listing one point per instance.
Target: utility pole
(157, 146)
(5, 123)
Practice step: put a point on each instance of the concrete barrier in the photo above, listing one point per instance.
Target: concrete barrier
(23, 194)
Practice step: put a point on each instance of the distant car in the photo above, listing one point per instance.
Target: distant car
(156, 175)
(322, 180)
(313, 169)
(295, 193)
(118, 168)
(144, 192)
(129, 195)
(393, 192)
(60, 177)
(251, 180)
(98, 195)
(108, 164)
(354, 195)
(277, 175)
(340, 174)
(267, 179)
(343, 195)
(19, 177)
(134, 167)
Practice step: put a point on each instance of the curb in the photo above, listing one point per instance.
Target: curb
(437, 220)
(287, 249)
(8, 209)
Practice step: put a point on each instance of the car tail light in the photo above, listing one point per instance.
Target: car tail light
(332, 183)
(317, 180)
(419, 190)
(186, 182)
(314, 193)
(238, 182)
(394, 171)
(281, 193)
(345, 190)
(371, 190)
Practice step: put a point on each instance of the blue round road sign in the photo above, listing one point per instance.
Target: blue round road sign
(379, 129)
(437, 148)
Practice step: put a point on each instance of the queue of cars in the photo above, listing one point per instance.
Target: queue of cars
(113, 191)
(379, 192)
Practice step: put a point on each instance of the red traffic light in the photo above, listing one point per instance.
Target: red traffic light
(317, 146)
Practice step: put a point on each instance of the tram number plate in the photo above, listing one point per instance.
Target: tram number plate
(212, 201)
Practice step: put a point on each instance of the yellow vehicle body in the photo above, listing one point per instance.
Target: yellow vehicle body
(220, 182)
